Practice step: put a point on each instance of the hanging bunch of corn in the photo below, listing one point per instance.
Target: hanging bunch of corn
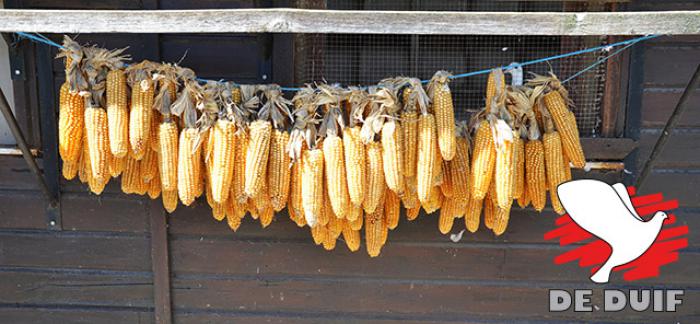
(276, 109)
(241, 102)
(443, 109)
(189, 159)
(331, 99)
(376, 182)
(303, 115)
(71, 116)
(556, 99)
(140, 78)
(391, 138)
(554, 161)
(459, 170)
(414, 99)
(355, 164)
(427, 145)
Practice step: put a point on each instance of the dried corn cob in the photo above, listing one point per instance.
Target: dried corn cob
(117, 113)
(238, 180)
(266, 216)
(519, 167)
(354, 212)
(222, 159)
(438, 175)
(233, 222)
(489, 211)
(359, 221)
(312, 185)
(459, 170)
(318, 234)
(98, 142)
(149, 166)
(70, 169)
(140, 117)
(278, 170)
(447, 215)
(188, 168)
(392, 157)
(392, 209)
(374, 226)
(336, 180)
(131, 172)
(472, 214)
(484, 161)
(154, 187)
(116, 166)
(444, 114)
(412, 213)
(295, 206)
(374, 193)
(554, 167)
(327, 211)
(351, 236)
(524, 199)
(500, 222)
(335, 226)
(410, 198)
(409, 125)
(434, 201)
(168, 138)
(355, 165)
(567, 168)
(71, 124)
(427, 144)
(257, 156)
(169, 200)
(447, 185)
(504, 174)
(565, 122)
(218, 211)
(535, 174)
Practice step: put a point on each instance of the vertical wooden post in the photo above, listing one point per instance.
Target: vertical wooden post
(611, 105)
(160, 261)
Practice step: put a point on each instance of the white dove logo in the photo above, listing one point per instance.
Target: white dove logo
(606, 212)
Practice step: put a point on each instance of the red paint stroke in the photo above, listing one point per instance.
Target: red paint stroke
(593, 253)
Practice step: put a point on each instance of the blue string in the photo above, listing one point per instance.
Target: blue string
(625, 43)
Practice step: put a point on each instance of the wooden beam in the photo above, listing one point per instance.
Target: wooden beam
(286, 20)
(160, 262)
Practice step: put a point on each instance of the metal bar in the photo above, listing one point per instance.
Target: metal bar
(22, 144)
(289, 20)
(670, 124)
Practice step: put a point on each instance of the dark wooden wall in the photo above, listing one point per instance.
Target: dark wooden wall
(99, 268)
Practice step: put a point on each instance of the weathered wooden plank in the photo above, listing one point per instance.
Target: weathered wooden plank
(399, 260)
(15, 174)
(399, 300)
(607, 148)
(160, 262)
(75, 250)
(75, 289)
(109, 213)
(22, 209)
(72, 315)
(670, 66)
(681, 151)
(658, 103)
(285, 20)
(678, 184)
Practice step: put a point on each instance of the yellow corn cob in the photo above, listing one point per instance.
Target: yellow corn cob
(222, 159)
(98, 142)
(297, 218)
(328, 241)
(489, 211)
(71, 124)
(312, 185)
(483, 161)
(392, 158)
(168, 139)
(169, 200)
(353, 213)
(252, 209)
(410, 198)
(149, 166)
(374, 226)
(524, 199)
(117, 113)
(359, 221)
(460, 206)
(554, 161)
(97, 185)
(459, 171)
(355, 165)
(447, 184)
(565, 122)
(374, 193)
(434, 201)
(266, 216)
(505, 173)
(409, 125)
(412, 213)
(257, 156)
(153, 141)
(473, 214)
(188, 161)
(438, 174)
(425, 168)
(295, 205)
(131, 171)
(336, 180)
(236, 95)
(84, 169)
(335, 226)
(140, 118)
(233, 222)
(392, 209)
(140, 186)
(567, 169)
(501, 217)
(278, 170)
(218, 211)
(352, 237)
(116, 166)
(445, 120)
(491, 86)
(318, 233)
(238, 180)
(262, 200)
(201, 167)
(447, 216)
(385, 232)
(535, 174)
(70, 169)
(519, 167)
(326, 212)
(154, 187)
